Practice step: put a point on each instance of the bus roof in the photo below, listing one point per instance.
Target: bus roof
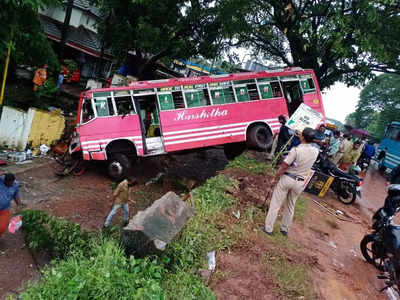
(204, 79)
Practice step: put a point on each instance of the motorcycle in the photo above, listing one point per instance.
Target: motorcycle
(364, 162)
(381, 248)
(345, 186)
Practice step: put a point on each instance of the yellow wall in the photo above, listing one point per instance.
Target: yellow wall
(47, 127)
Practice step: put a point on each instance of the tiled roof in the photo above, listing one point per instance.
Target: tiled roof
(78, 36)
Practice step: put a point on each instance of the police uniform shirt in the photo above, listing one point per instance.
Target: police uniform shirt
(301, 159)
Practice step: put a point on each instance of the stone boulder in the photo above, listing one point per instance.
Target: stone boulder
(149, 231)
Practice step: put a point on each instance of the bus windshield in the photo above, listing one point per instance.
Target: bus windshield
(393, 132)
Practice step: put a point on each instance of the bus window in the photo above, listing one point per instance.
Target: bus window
(246, 90)
(123, 102)
(104, 106)
(268, 88)
(196, 98)
(165, 101)
(393, 133)
(241, 93)
(276, 89)
(178, 100)
(307, 84)
(87, 111)
(222, 95)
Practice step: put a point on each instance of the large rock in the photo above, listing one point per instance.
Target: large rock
(149, 231)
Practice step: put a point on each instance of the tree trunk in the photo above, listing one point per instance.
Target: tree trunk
(65, 28)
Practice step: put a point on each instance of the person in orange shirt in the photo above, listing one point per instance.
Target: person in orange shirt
(40, 77)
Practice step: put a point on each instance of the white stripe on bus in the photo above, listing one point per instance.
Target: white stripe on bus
(204, 138)
(393, 160)
(395, 156)
(217, 127)
(107, 140)
(204, 133)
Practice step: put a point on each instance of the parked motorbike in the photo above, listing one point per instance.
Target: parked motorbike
(364, 162)
(345, 186)
(381, 248)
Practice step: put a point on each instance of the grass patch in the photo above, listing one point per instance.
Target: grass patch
(293, 279)
(300, 210)
(243, 161)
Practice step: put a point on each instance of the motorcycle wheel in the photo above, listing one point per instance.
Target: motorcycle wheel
(351, 195)
(370, 250)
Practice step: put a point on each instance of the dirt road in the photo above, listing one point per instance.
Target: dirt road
(340, 271)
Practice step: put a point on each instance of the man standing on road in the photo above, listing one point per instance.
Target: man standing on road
(291, 177)
(121, 198)
(9, 190)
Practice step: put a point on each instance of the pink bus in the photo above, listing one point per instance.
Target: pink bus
(165, 116)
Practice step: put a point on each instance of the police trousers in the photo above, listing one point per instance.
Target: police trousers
(286, 192)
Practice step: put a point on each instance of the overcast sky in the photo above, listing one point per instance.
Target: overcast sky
(340, 100)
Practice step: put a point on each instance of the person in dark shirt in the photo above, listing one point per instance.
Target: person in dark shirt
(283, 135)
(9, 190)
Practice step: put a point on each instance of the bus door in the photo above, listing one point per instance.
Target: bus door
(149, 115)
(293, 95)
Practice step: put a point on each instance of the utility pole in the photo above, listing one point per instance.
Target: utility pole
(65, 28)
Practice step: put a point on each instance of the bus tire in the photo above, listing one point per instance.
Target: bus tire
(118, 166)
(233, 150)
(259, 137)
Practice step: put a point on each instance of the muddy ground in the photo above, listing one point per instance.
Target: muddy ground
(327, 245)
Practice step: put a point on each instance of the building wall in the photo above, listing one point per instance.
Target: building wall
(15, 126)
(78, 17)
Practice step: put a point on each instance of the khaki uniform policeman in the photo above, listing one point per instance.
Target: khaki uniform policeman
(291, 175)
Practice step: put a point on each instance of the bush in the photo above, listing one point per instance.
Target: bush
(58, 236)
(106, 274)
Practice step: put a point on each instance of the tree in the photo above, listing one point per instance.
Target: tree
(342, 40)
(379, 104)
(154, 30)
(21, 27)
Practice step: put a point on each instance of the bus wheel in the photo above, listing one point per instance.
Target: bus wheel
(259, 137)
(118, 166)
(233, 150)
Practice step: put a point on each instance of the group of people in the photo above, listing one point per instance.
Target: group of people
(343, 150)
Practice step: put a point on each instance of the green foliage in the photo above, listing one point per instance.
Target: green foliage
(246, 163)
(292, 278)
(379, 105)
(60, 237)
(21, 27)
(202, 233)
(47, 90)
(175, 284)
(341, 40)
(301, 209)
(159, 29)
(106, 274)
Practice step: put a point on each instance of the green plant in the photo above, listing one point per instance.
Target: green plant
(300, 210)
(246, 163)
(293, 279)
(60, 237)
(48, 89)
(106, 274)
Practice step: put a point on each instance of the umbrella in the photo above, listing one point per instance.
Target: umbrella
(360, 132)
